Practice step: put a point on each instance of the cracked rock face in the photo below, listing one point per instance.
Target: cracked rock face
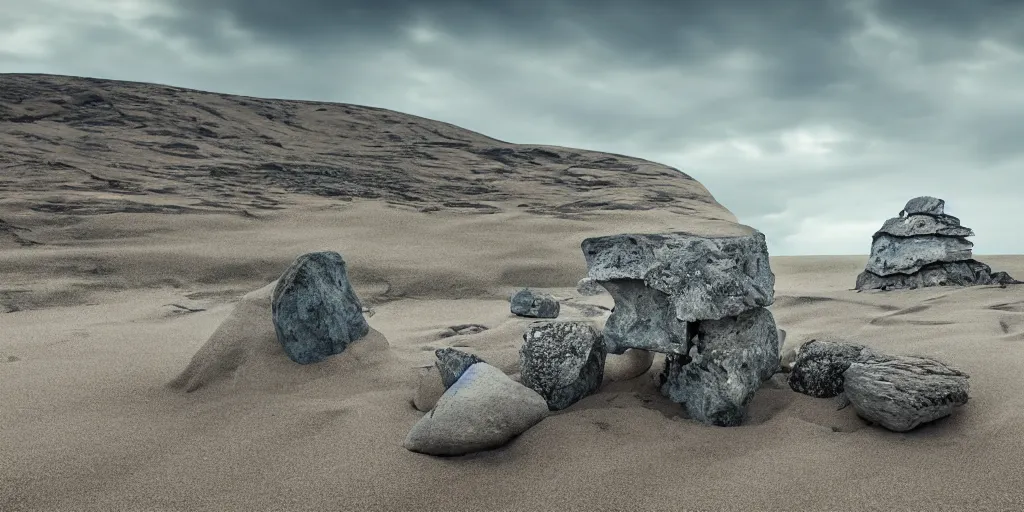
(661, 282)
(731, 358)
(925, 247)
(315, 311)
(562, 361)
(902, 392)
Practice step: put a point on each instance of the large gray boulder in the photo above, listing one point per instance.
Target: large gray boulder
(315, 311)
(452, 363)
(484, 409)
(730, 360)
(705, 278)
(662, 282)
(925, 247)
(819, 366)
(529, 303)
(562, 361)
(902, 392)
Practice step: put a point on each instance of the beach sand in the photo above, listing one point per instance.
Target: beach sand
(90, 421)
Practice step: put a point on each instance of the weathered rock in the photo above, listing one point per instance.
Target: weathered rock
(706, 278)
(588, 286)
(562, 361)
(924, 247)
(316, 312)
(730, 360)
(960, 273)
(429, 388)
(926, 205)
(484, 409)
(819, 366)
(902, 392)
(452, 363)
(662, 282)
(924, 225)
(528, 303)
(895, 255)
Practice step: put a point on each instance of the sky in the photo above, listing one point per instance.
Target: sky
(812, 120)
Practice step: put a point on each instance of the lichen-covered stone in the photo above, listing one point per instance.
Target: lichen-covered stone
(902, 392)
(819, 366)
(731, 358)
(562, 361)
(452, 363)
(529, 303)
(315, 311)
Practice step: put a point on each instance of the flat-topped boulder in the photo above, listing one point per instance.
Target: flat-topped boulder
(922, 247)
(701, 300)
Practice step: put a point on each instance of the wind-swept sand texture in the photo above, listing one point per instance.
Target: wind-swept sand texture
(108, 302)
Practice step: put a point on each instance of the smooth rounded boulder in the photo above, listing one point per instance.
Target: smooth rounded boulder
(483, 410)
(316, 312)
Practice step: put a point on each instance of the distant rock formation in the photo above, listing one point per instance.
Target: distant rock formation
(702, 302)
(922, 247)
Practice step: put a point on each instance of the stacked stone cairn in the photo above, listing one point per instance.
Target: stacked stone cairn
(702, 302)
(922, 247)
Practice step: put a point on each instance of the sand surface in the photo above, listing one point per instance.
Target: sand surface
(105, 303)
(89, 422)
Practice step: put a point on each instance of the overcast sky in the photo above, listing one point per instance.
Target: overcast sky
(811, 120)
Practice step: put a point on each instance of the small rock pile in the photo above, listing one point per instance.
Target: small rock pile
(702, 302)
(922, 247)
(897, 392)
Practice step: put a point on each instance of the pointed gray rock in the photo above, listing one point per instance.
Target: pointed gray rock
(902, 392)
(452, 363)
(731, 359)
(484, 409)
(315, 311)
(531, 304)
(562, 361)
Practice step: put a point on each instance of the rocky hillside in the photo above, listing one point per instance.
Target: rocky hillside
(79, 146)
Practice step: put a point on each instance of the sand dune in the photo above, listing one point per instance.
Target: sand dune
(107, 312)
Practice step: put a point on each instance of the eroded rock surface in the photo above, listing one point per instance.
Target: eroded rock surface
(902, 392)
(316, 312)
(925, 247)
(589, 287)
(730, 360)
(563, 361)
